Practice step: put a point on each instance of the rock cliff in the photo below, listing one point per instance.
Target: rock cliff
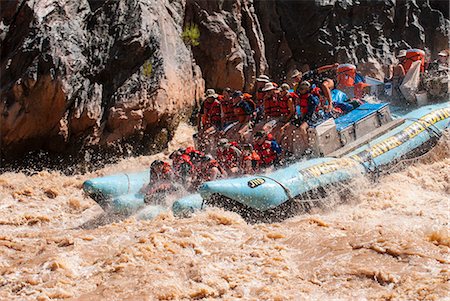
(115, 73)
(82, 73)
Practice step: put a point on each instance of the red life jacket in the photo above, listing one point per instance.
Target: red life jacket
(323, 101)
(182, 159)
(192, 152)
(283, 104)
(259, 98)
(303, 103)
(265, 152)
(271, 106)
(229, 157)
(228, 110)
(165, 174)
(211, 113)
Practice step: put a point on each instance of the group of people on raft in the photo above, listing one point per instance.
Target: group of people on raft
(243, 133)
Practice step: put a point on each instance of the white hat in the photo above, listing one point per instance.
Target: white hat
(211, 93)
(263, 78)
(268, 87)
(401, 53)
(296, 73)
(285, 87)
(443, 53)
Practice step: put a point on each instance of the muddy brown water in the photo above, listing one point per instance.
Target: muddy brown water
(390, 241)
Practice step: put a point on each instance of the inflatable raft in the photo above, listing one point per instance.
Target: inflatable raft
(350, 147)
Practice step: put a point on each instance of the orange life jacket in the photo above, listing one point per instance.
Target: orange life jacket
(346, 74)
(211, 113)
(413, 55)
(277, 106)
(228, 110)
(229, 157)
(251, 157)
(265, 152)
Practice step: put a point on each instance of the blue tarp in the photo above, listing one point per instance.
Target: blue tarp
(357, 114)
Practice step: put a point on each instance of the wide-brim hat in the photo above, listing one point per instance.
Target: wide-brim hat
(269, 86)
(401, 53)
(211, 93)
(222, 142)
(284, 87)
(296, 73)
(263, 78)
(304, 85)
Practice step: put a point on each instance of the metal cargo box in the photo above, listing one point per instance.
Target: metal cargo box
(361, 121)
(377, 115)
(324, 139)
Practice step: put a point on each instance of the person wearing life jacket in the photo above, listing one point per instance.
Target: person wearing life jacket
(161, 181)
(210, 170)
(441, 64)
(397, 75)
(194, 155)
(296, 78)
(267, 149)
(227, 106)
(307, 104)
(259, 94)
(321, 78)
(182, 166)
(286, 101)
(243, 106)
(228, 155)
(270, 104)
(249, 159)
(210, 114)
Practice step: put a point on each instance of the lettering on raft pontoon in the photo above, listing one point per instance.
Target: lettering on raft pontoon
(255, 182)
(328, 167)
(380, 148)
(406, 134)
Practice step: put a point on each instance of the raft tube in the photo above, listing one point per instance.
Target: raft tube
(188, 205)
(268, 191)
(106, 188)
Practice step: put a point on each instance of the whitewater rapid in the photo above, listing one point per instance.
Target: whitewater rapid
(388, 241)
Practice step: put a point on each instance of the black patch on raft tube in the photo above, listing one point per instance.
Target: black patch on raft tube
(255, 182)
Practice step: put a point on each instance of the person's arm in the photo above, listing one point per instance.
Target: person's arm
(327, 67)
(291, 109)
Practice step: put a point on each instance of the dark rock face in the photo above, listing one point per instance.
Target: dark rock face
(321, 32)
(231, 51)
(79, 73)
(113, 73)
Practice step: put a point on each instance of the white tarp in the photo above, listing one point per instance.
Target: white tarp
(410, 84)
